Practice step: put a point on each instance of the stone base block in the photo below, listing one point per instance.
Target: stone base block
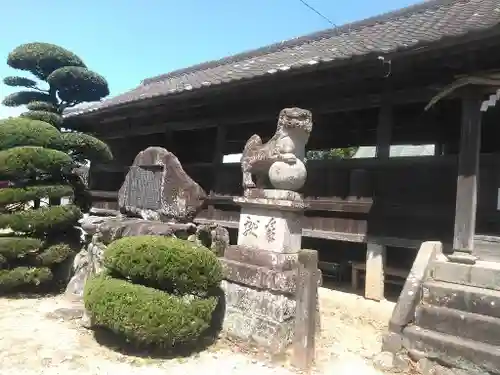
(275, 306)
(265, 332)
(262, 258)
(260, 277)
(270, 227)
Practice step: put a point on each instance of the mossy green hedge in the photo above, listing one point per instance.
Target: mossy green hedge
(53, 255)
(29, 161)
(145, 315)
(42, 106)
(156, 290)
(15, 132)
(83, 146)
(18, 247)
(166, 263)
(42, 220)
(52, 118)
(12, 279)
(28, 264)
(29, 193)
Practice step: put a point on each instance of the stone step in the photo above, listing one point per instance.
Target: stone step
(453, 351)
(477, 327)
(462, 297)
(487, 248)
(482, 274)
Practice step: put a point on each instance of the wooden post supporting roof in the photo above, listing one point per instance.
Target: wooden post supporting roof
(384, 128)
(375, 253)
(218, 157)
(468, 170)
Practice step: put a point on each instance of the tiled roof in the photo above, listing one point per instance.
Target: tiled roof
(411, 27)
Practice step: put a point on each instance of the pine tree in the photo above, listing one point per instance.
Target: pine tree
(37, 161)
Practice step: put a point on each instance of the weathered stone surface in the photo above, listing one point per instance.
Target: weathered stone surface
(86, 263)
(452, 351)
(392, 342)
(281, 159)
(477, 327)
(115, 228)
(90, 224)
(482, 274)
(262, 258)
(274, 306)
(404, 310)
(157, 184)
(66, 314)
(270, 229)
(462, 297)
(213, 236)
(260, 277)
(273, 335)
(274, 194)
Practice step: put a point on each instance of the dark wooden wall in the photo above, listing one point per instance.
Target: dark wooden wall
(400, 201)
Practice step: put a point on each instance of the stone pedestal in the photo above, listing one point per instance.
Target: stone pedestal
(261, 270)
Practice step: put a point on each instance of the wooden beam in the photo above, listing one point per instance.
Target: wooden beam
(468, 170)
(384, 127)
(333, 106)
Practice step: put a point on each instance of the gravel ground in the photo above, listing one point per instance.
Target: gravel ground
(34, 342)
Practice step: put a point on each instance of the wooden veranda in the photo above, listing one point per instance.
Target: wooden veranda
(366, 84)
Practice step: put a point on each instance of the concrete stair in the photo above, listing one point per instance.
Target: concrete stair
(457, 321)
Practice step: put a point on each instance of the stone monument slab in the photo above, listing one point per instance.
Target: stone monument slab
(157, 187)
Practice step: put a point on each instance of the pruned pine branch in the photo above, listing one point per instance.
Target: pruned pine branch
(490, 80)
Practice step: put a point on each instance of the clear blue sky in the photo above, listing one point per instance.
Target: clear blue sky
(129, 40)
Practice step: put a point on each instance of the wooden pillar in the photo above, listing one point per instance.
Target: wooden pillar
(218, 157)
(375, 277)
(375, 253)
(384, 129)
(468, 171)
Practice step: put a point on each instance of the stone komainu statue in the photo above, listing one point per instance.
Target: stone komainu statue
(282, 158)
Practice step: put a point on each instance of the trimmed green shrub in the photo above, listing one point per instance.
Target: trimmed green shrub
(29, 193)
(38, 161)
(53, 254)
(18, 247)
(15, 132)
(54, 119)
(145, 315)
(42, 106)
(166, 263)
(29, 161)
(44, 219)
(22, 276)
(83, 146)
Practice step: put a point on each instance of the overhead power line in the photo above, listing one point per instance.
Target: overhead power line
(305, 3)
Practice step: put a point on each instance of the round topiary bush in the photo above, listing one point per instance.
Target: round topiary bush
(166, 263)
(155, 291)
(146, 315)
